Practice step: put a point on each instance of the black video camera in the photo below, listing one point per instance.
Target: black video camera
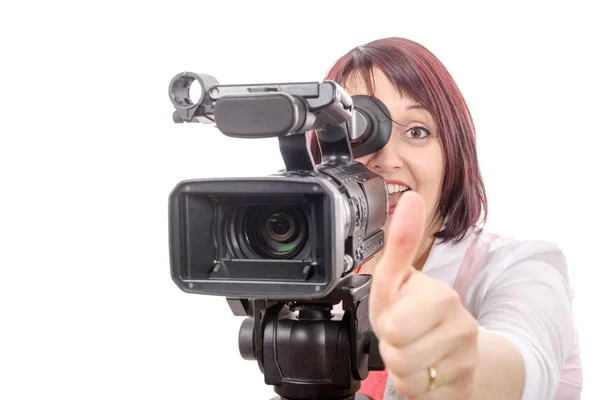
(283, 248)
(295, 234)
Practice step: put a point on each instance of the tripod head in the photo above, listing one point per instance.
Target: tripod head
(307, 352)
(283, 249)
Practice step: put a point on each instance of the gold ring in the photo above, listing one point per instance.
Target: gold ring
(432, 376)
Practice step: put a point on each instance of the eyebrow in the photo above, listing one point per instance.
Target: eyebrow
(411, 107)
(408, 108)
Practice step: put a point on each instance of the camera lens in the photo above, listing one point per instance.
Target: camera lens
(280, 226)
(276, 233)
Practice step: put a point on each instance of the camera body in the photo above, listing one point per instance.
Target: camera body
(295, 234)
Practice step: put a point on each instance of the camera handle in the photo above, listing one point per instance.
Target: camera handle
(305, 351)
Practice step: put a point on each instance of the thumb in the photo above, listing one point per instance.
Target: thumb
(403, 239)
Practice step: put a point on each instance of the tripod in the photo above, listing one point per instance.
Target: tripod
(305, 351)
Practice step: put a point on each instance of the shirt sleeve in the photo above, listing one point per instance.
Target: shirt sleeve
(525, 297)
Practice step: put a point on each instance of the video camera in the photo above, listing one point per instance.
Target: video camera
(283, 248)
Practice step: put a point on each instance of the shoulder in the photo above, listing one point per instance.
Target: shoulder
(501, 249)
(490, 259)
(498, 253)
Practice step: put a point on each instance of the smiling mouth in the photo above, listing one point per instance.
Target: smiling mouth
(395, 190)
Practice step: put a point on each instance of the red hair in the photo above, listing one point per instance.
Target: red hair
(418, 74)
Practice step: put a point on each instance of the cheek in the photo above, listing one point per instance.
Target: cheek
(429, 171)
(428, 175)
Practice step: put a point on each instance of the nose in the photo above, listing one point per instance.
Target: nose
(388, 159)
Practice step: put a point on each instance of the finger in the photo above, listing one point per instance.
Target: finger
(427, 306)
(402, 242)
(450, 373)
(457, 390)
(436, 348)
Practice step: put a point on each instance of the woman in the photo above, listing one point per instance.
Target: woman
(460, 313)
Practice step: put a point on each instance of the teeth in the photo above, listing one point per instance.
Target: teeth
(394, 188)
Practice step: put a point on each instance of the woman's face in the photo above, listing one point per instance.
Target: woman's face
(413, 157)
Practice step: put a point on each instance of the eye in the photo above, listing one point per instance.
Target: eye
(417, 132)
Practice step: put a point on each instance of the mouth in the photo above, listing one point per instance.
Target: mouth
(395, 191)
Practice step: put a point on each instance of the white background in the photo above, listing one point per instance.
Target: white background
(89, 155)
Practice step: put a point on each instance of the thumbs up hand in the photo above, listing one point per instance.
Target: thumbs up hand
(427, 339)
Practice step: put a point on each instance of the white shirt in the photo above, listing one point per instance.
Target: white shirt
(519, 290)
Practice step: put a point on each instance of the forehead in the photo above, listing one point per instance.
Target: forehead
(397, 102)
(383, 89)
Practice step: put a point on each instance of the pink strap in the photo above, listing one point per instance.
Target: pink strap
(472, 263)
